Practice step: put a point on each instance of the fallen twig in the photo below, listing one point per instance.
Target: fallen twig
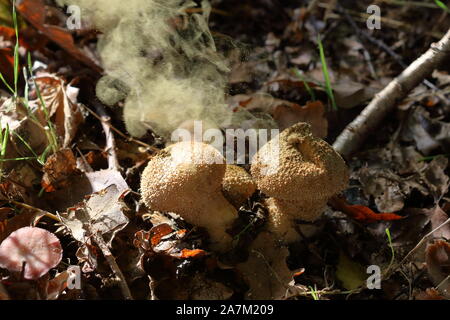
(120, 133)
(357, 131)
(28, 207)
(112, 264)
(110, 148)
(152, 286)
(391, 23)
(379, 43)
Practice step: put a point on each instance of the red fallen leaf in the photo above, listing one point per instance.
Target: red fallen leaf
(361, 213)
(34, 12)
(192, 254)
(159, 231)
(9, 34)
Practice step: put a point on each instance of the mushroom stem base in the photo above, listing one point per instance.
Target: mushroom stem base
(282, 215)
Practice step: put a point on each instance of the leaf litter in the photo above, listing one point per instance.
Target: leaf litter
(399, 179)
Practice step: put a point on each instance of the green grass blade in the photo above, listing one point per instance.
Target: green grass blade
(442, 5)
(326, 74)
(16, 49)
(53, 137)
(41, 159)
(313, 292)
(26, 144)
(6, 84)
(18, 159)
(4, 139)
(388, 233)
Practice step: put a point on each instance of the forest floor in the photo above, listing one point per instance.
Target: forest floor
(67, 160)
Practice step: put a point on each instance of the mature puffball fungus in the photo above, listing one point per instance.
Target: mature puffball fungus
(35, 248)
(309, 171)
(186, 178)
(237, 185)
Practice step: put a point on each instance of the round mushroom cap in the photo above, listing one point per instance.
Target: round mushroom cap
(237, 185)
(39, 249)
(297, 166)
(180, 175)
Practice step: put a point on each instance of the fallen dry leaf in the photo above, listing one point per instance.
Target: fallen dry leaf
(83, 185)
(286, 113)
(34, 12)
(266, 270)
(63, 110)
(24, 219)
(438, 265)
(429, 134)
(350, 94)
(57, 285)
(202, 288)
(361, 213)
(313, 113)
(438, 219)
(101, 213)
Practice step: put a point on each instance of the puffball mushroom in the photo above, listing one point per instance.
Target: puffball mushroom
(186, 178)
(237, 185)
(307, 172)
(37, 249)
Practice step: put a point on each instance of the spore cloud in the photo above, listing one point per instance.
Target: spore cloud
(159, 58)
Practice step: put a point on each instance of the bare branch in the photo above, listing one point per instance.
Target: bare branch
(358, 130)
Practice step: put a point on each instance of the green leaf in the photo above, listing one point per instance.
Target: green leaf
(326, 74)
(442, 5)
(350, 273)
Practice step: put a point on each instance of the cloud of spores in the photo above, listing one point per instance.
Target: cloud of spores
(162, 60)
